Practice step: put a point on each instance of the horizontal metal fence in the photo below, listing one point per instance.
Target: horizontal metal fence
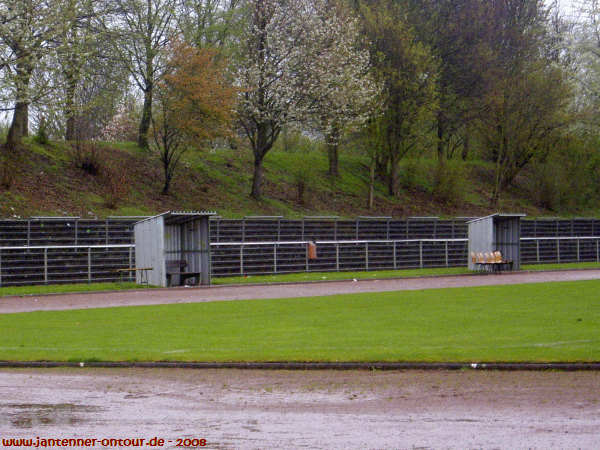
(554, 227)
(52, 264)
(279, 229)
(64, 264)
(57, 231)
(119, 230)
(544, 250)
(241, 258)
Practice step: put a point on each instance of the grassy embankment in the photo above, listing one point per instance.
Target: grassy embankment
(129, 181)
(532, 322)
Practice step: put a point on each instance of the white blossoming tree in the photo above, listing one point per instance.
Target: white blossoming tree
(28, 34)
(344, 94)
(298, 64)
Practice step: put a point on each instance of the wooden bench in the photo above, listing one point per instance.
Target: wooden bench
(177, 267)
(491, 262)
(142, 270)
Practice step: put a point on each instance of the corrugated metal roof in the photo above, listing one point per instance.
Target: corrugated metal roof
(57, 218)
(321, 217)
(263, 217)
(181, 216)
(498, 215)
(374, 217)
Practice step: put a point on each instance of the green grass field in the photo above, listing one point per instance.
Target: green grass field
(381, 274)
(332, 276)
(532, 322)
(562, 266)
(67, 288)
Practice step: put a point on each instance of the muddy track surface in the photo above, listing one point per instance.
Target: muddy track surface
(222, 293)
(317, 409)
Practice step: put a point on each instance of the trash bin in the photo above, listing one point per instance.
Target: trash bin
(312, 250)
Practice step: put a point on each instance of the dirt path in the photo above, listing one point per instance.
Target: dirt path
(221, 293)
(317, 409)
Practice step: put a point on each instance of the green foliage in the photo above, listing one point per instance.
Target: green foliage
(415, 175)
(567, 179)
(409, 73)
(86, 156)
(449, 182)
(302, 174)
(292, 140)
(41, 135)
(3, 130)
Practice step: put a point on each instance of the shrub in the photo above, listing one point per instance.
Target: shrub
(11, 160)
(115, 181)
(545, 183)
(122, 127)
(301, 175)
(414, 175)
(86, 156)
(449, 182)
(41, 136)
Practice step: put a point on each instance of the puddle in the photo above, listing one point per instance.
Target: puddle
(321, 409)
(33, 415)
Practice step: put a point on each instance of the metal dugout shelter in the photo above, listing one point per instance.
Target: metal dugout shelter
(497, 232)
(175, 244)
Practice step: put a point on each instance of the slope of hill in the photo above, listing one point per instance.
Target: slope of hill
(123, 180)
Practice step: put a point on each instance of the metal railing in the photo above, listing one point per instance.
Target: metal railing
(21, 265)
(271, 257)
(261, 229)
(64, 264)
(544, 250)
(62, 231)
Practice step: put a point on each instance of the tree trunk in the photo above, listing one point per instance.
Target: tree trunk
(301, 185)
(466, 146)
(19, 126)
(381, 164)
(332, 152)
(393, 178)
(495, 198)
(265, 138)
(70, 130)
(371, 184)
(70, 109)
(146, 118)
(440, 136)
(166, 186)
(258, 176)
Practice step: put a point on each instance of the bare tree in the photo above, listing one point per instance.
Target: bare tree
(209, 23)
(140, 32)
